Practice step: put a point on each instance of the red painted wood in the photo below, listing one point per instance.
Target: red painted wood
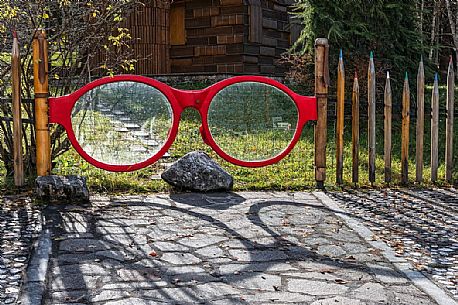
(60, 112)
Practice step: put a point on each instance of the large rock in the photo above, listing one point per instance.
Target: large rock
(196, 171)
(62, 188)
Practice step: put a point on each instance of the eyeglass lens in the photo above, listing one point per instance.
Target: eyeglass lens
(252, 121)
(122, 123)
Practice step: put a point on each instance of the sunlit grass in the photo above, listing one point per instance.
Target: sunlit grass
(294, 172)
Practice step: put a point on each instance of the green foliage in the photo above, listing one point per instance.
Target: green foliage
(387, 27)
(84, 38)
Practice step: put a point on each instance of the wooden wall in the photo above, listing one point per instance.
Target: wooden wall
(269, 20)
(214, 33)
(229, 36)
(150, 25)
(210, 36)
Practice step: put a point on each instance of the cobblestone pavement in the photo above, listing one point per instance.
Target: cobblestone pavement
(244, 248)
(421, 225)
(19, 224)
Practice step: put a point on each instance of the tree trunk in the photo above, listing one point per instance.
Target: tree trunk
(422, 7)
(453, 22)
(433, 30)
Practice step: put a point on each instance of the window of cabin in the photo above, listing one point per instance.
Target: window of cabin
(295, 27)
(177, 26)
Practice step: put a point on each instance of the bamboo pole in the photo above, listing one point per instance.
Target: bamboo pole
(405, 132)
(371, 117)
(435, 129)
(17, 109)
(40, 73)
(321, 92)
(355, 130)
(340, 119)
(388, 102)
(449, 122)
(420, 131)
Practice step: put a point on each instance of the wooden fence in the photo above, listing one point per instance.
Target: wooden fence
(321, 91)
(405, 129)
(16, 108)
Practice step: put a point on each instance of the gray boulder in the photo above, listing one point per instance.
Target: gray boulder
(62, 188)
(196, 171)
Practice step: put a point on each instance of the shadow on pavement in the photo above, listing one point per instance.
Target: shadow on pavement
(88, 266)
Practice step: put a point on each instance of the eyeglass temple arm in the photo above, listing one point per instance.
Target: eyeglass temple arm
(307, 108)
(60, 110)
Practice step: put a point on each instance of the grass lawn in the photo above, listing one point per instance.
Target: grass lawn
(294, 172)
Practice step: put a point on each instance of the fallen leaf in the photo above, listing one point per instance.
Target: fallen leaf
(153, 253)
(326, 270)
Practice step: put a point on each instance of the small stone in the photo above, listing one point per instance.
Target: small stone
(168, 246)
(210, 252)
(256, 281)
(196, 171)
(180, 258)
(315, 287)
(9, 290)
(337, 301)
(15, 271)
(331, 251)
(20, 259)
(116, 255)
(371, 291)
(258, 256)
(66, 188)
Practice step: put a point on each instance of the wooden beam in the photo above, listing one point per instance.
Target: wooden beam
(355, 130)
(17, 109)
(321, 92)
(420, 131)
(340, 119)
(435, 129)
(371, 117)
(388, 106)
(405, 132)
(449, 122)
(40, 81)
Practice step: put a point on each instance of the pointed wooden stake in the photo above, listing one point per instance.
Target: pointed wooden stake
(435, 129)
(420, 131)
(449, 122)
(340, 119)
(40, 75)
(17, 109)
(321, 92)
(405, 132)
(388, 102)
(371, 117)
(355, 130)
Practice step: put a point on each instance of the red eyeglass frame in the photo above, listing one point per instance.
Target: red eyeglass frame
(60, 110)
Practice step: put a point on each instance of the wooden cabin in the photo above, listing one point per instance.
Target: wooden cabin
(212, 36)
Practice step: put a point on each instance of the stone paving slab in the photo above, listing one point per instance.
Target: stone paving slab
(244, 248)
(421, 225)
(19, 226)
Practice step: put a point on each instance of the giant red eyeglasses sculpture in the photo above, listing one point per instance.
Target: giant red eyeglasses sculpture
(127, 122)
